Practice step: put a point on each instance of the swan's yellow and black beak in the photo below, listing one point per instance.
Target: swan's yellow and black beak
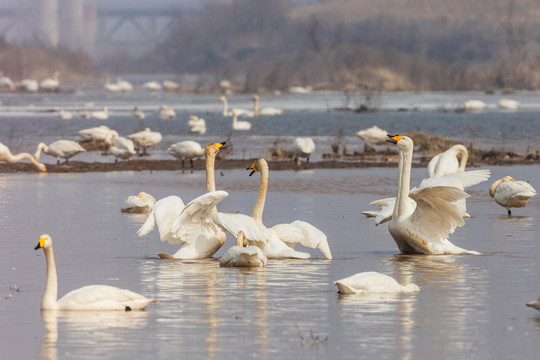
(40, 244)
(252, 167)
(220, 145)
(394, 138)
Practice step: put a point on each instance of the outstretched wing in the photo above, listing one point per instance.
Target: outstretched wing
(196, 218)
(164, 214)
(459, 180)
(234, 223)
(304, 233)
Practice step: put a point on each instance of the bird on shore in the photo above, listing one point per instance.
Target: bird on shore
(510, 193)
(145, 139)
(7, 156)
(138, 114)
(373, 135)
(119, 146)
(303, 147)
(186, 150)
(51, 84)
(60, 149)
(508, 104)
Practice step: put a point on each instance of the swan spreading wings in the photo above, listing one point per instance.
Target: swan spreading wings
(424, 229)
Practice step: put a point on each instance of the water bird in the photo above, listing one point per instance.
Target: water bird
(152, 86)
(242, 255)
(239, 112)
(239, 124)
(373, 135)
(510, 193)
(373, 282)
(447, 161)
(95, 133)
(6, 82)
(303, 147)
(51, 84)
(87, 298)
(102, 114)
(424, 229)
(186, 150)
(137, 113)
(166, 112)
(7, 156)
(145, 139)
(28, 85)
(60, 149)
(141, 204)
(196, 125)
(508, 104)
(269, 111)
(119, 146)
(474, 105)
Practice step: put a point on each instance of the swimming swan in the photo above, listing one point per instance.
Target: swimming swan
(95, 133)
(102, 114)
(447, 162)
(510, 193)
(7, 156)
(92, 297)
(60, 149)
(424, 229)
(269, 111)
(242, 255)
(238, 124)
(239, 112)
(119, 146)
(140, 204)
(372, 282)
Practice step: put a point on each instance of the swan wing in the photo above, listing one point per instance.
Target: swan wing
(164, 214)
(196, 218)
(460, 180)
(234, 223)
(103, 297)
(304, 233)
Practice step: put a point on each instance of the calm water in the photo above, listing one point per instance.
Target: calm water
(469, 307)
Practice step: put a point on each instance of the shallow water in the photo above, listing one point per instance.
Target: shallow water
(469, 307)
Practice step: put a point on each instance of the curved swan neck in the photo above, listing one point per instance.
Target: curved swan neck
(404, 182)
(19, 157)
(256, 108)
(50, 296)
(462, 150)
(225, 106)
(258, 208)
(41, 147)
(495, 185)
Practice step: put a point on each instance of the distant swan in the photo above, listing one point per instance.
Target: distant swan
(373, 135)
(424, 229)
(447, 162)
(119, 146)
(60, 149)
(166, 112)
(270, 111)
(137, 113)
(373, 282)
(239, 125)
(51, 84)
(510, 193)
(95, 133)
(102, 114)
(140, 204)
(65, 115)
(239, 112)
(186, 150)
(474, 105)
(303, 147)
(152, 86)
(28, 85)
(87, 298)
(145, 139)
(508, 104)
(6, 82)
(7, 156)
(242, 255)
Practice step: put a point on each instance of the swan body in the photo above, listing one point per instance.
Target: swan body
(269, 111)
(140, 204)
(535, 304)
(121, 147)
(508, 104)
(170, 85)
(186, 150)
(6, 82)
(474, 105)
(191, 225)
(51, 84)
(95, 133)
(196, 125)
(152, 86)
(300, 89)
(87, 298)
(424, 229)
(60, 149)
(28, 85)
(85, 114)
(510, 193)
(373, 282)
(102, 114)
(238, 124)
(145, 139)
(166, 112)
(242, 255)
(65, 115)
(301, 232)
(124, 85)
(303, 147)
(138, 114)
(373, 135)
(239, 112)
(447, 162)
(7, 156)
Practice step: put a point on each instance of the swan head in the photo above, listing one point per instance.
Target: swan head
(213, 148)
(256, 166)
(255, 98)
(222, 98)
(143, 195)
(496, 184)
(403, 142)
(44, 242)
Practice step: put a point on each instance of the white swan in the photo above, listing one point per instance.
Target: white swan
(373, 135)
(102, 114)
(474, 105)
(185, 150)
(239, 125)
(124, 85)
(6, 82)
(51, 84)
(269, 111)
(137, 113)
(28, 85)
(7, 156)
(60, 149)
(242, 255)
(111, 87)
(386, 206)
(65, 115)
(170, 85)
(145, 139)
(508, 104)
(510, 193)
(119, 146)
(85, 114)
(152, 86)
(95, 133)
(535, 304)
(166, 112)
(373, 282)
(300, 89)
(424, 229)
(191, 225)
(239, 112)
(140, 204)
(196, 125)
(276, 242)
(303, 147)
(447, 162)
(87, 298)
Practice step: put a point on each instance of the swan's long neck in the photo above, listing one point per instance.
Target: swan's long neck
(255, 108)
(404, 182)
(234, 119)
(462, 150)
(210, 160)
(50, 296)
(41, 147)
(16, 158)
(258, 208)
(494, 186)
(225, 107)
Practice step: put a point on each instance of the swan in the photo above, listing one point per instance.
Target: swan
(508, 104)
(373, 135)
(7, 156)
(187, 149)
(166, 112)
(64, 149)
(6, 82)
(303, 147)
(95, 133)
(119, 146)
(102, 114)
(535, 304)
(65, 115)
(270, 111)
(191, 225)
(28, 85)
(239, 112)
(112, 87)
(239, 125)
(51, 84)
(474, 105)
(447, 162)
(124, 85)
(196, 125)
(170, 85)
(300, 89)
(424, 229)
(386, 209)
(85, 114)
(373, 282)
(510, 193)
(87, 298)
(138, 113)
(152, 86)
(278, 241)
(243, 255)
(145, 139)
(140, 204)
